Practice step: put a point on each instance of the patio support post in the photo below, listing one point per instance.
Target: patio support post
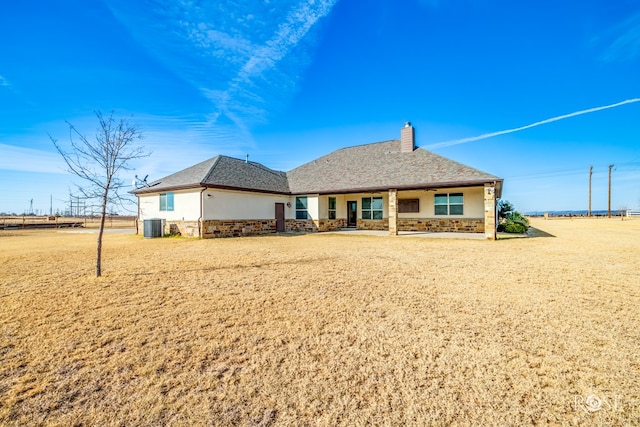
(393, 212)
(490, 211)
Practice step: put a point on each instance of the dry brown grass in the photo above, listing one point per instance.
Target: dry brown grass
(322, 329)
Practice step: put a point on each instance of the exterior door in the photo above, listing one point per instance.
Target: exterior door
(279, 217)
(352, 214)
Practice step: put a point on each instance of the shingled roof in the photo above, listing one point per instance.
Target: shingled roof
(364, 168)
(223, 172)
(381, 166)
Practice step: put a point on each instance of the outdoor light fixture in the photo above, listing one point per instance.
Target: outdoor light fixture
(288, 204)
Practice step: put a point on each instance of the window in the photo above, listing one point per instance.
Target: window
(372, 208)
(332, 208)
(408, 205)
(301, 207)
(166, 201)
(449, 204)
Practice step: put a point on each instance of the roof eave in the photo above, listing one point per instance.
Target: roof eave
(254, 190)
(425, 186)
(153, 189)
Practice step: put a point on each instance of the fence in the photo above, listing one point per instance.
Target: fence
(633, 212)
(32, 221)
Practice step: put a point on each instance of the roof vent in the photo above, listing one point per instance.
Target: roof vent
(247, 159)
(407, 138)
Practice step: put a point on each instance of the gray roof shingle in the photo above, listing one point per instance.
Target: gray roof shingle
(381, 166)
(223, 172)
(370, 167)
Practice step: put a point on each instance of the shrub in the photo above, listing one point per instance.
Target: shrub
(511, 221)
(505, 208)
(514, 227)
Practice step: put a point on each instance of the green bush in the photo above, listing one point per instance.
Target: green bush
(511, 221)
(515, 223)
(505, 208)
(514, 227)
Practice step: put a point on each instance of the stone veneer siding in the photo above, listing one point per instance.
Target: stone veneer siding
(490, 211)
(300, 225)
(314, 225)
(331, 224)
(237, 228)
(393, 212)
(373, 224)
(461, 225)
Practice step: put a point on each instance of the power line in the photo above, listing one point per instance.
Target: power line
(573, 172)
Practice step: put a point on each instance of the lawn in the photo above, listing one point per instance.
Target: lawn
(323, 329)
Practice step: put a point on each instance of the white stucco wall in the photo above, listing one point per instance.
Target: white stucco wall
(313, 206)
(323, 206)
(186, 204)
(229, 204)
(473, 202)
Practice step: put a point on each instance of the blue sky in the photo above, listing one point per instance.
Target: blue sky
(286, 81)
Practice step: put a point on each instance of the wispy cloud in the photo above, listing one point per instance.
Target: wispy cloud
(622, 42)
(244, 89)
(30, 160)
(518, 129)
(4, 81)
(244, 57)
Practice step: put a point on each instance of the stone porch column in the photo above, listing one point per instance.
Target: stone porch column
(393, 212)
(490, 211)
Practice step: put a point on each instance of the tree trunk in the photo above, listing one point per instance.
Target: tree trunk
(100, 232)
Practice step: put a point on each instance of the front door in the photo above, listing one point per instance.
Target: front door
(352, 214)
(280, 217)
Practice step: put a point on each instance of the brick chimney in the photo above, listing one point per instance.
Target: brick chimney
(407, 138)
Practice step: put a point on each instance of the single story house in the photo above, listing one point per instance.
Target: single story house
(390, 185)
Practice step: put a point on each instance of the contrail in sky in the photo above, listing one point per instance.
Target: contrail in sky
(543, 122)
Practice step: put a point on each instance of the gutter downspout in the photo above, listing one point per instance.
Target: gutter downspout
(201, 219)
(495, 210)
(138, 217)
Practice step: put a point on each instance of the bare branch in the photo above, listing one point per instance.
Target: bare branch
(98, 162)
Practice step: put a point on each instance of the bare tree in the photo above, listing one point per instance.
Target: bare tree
(98, 162)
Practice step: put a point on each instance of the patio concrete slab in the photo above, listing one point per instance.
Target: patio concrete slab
(425, 234)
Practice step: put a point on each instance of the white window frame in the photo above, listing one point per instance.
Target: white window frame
(370, 213)
(449, 204)
(302, 209)
(331, 211)
(167, 202)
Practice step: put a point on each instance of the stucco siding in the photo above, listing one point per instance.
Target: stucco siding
(323, 206)
(230, 212)
(243, 205)
(313, 206)
(186, 206)
(473, 203)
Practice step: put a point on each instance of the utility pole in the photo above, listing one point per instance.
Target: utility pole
(590, 175)
(609, 199)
